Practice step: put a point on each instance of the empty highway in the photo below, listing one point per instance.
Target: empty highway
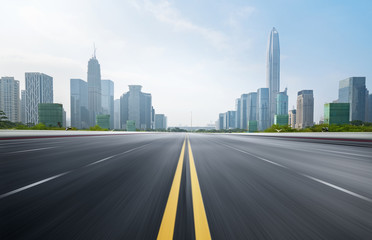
(184, 186)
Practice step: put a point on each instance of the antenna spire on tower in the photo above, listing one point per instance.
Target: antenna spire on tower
(94, 47)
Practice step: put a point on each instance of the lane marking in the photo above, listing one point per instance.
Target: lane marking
(32, 185)
(31, 150)
(200, 218)
(169, 218)
(62, 174)
(307, 176)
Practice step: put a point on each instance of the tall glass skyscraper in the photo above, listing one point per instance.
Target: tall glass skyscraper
(263, 113)
(79, 104)
(9, 98)
(108, 100)
(282, 103)
(273, 71)
(252, 107)
(94, 89)
(39, 89)
(305, 109)
(353, 90)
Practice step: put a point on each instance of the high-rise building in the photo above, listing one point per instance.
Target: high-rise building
(39, 89)
(51, 114)
(251, 107)
(353, 90)
(108, 100)
(103, 121)
(136, 106)
(282, 103)
(238, 112)
(292, 118)
(160, 122)
(230, 119)
(336, 113)
(94, 89)
(370, 108)
(243, 111)
(221, 123)
(79, 104)
(263, 114)
(273, 71)
(305, 109)
(23, 106)
(9, 98)
(117, 114)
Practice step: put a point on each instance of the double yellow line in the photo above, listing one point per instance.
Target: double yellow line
(200, 218)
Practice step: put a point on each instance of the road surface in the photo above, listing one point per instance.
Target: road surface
(184, 186)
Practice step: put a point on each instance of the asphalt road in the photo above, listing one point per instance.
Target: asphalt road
(219, 186)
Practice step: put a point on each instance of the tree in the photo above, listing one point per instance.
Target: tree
(3, 116)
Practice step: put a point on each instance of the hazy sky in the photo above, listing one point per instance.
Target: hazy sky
(190, 55)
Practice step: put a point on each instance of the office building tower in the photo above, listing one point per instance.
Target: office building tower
(282, 103)
(305, 109)
(117, 114)
(153, 118)
(221, 124)
(9, 98)
(243, 111)
(251, 107)
(353, 90)
(39, 89)
(281, 120)
(263, 114)
(94, 89)
(238, 112)
(160, 122)
(79, 104)
(370, 108)
(292, 118)
(51, 114)
(108, 100)
(230, 117)
(136, 106)
(336, 113)
(23, 106)
(273, 71)
(103, 121)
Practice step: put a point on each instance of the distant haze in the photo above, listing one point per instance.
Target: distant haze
(192, 56)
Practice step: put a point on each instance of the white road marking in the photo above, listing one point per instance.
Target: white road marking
(32, 185)
(31, 150)
(62, 174)
(307, 176)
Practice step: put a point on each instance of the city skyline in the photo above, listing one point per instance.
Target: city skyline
(227, 56)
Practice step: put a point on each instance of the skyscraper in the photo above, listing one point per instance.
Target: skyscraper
(305, 109)
(353, 90)
(108, 100)
(136, 106)
(252, 106)
(79, 104)
(238, 112)
(282, 103)
(94, 89)
(117, 114)
(243, 111)
(292, 118)
(23, 106)
(263, 114)
(39, 89)
(160, 121)
(9, 98)
(273, 71)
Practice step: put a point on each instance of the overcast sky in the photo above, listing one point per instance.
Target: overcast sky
(190, 55)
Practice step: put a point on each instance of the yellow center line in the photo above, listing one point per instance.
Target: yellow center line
(169, 218)
(200, 218)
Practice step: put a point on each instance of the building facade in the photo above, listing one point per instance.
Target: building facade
(370, 108)
(292, 118)
(108, 100)
(39, 89)
(243, 111)
(305, 109)
(23, 106)
(263, 111)
(251, 107)
(230, 119)
(136, 106)
(117, 114)
(79, 104)
(238, 112)
(160, 122)
(9, 98)
(273, 71)
(353, 90)
(51, 114)
(336, 113)
(94, 90)
(103, 121)
(282, 103)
